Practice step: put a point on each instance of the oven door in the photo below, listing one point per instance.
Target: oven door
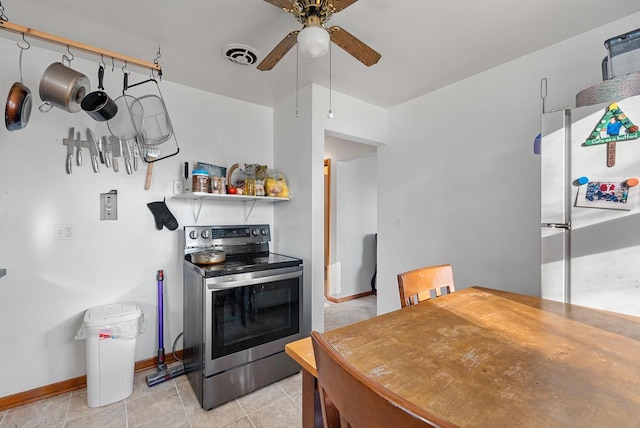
(250, 316)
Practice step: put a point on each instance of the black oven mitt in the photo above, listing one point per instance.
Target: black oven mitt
(163, 216)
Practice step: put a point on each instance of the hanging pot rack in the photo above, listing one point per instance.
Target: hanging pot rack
(26, 31)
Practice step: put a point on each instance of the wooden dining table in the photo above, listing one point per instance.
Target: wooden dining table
(481, 357)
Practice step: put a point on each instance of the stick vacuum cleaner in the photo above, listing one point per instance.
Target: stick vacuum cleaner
(163, 373)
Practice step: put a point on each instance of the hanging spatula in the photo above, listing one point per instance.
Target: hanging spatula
(151, 154)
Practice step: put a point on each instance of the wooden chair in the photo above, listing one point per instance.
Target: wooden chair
(419, 284)
(350, 399)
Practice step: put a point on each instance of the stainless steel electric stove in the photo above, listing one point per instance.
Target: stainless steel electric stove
(238, 313)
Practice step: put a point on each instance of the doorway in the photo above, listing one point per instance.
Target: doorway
(350, 219)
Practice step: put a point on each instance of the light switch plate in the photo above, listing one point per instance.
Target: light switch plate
(109, 205)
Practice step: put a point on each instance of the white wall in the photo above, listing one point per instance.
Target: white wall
(467, 188)
(294, 150)
(49, 284)
(356, 223)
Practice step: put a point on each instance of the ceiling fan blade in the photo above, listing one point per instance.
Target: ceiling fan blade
(282, 4)
(354, 46)
(279, 51)
(339, 5)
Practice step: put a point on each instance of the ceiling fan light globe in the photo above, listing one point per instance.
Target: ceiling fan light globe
(313, 41)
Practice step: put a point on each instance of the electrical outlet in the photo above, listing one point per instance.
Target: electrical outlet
(63, 232)
(178, 187)
(109, 205)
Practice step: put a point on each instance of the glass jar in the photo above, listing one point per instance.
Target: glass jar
(250, 186)
(216, 185)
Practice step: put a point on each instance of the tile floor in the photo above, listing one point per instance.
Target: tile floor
(173, 403)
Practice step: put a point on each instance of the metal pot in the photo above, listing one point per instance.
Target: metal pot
(18, 107)
(63, 87)
(98, 104)
(208, 257)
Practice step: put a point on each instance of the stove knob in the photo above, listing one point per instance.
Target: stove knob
(264, 232)
(254, 232)
(193, 234)
(205, 234)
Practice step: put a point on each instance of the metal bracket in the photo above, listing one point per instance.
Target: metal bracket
(247, 215)
(196, 214)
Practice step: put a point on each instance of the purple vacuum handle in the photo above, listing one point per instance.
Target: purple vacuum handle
(160, 310)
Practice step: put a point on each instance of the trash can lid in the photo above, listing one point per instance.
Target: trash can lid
(111, 314)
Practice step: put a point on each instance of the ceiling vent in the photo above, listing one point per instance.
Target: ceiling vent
(240, 54)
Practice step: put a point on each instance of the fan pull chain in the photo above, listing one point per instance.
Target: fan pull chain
(330, 114)
(297, 78)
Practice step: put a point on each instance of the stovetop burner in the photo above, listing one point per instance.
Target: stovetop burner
(247, 249)
(242, 264)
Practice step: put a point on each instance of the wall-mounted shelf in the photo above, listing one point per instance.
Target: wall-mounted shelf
(214, 196)
(199, 197)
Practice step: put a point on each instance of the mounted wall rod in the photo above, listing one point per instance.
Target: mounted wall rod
(6, 25)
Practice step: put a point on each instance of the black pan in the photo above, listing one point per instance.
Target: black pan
(18, 107)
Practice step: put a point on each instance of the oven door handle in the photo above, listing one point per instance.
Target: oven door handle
(253, 281)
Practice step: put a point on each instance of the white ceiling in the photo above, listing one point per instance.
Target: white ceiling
(424, 44)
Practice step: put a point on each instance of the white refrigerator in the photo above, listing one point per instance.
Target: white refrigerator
(590, 213)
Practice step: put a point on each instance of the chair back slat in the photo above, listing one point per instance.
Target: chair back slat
(425, 283)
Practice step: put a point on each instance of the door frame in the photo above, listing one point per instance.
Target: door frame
(327, 227)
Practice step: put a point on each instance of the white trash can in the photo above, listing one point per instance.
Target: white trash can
(110, 332)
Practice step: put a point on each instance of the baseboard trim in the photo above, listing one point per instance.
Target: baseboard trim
(344, 299)
(69, 385)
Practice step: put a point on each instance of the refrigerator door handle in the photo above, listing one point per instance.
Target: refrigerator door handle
(566, 226)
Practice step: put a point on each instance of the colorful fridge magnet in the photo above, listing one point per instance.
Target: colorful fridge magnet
(582, 181)
(608, 131)
(605, 194)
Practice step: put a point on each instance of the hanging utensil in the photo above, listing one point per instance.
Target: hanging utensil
(151, 153)
(116, 152)
(19, 101)
(93, 149)
(70, 144)
(79, 149)
(127, 122)
(100, 150)
(106, 147)
(136, 153)
(98, 104)
(126, 152)
(156, 128)
(63, 87)
(155, 122)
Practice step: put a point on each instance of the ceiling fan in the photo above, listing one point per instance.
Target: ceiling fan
(314, 38)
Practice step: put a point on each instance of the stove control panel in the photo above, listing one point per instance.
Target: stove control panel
(207, 236)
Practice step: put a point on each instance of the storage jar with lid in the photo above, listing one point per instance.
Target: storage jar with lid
(200, 181)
